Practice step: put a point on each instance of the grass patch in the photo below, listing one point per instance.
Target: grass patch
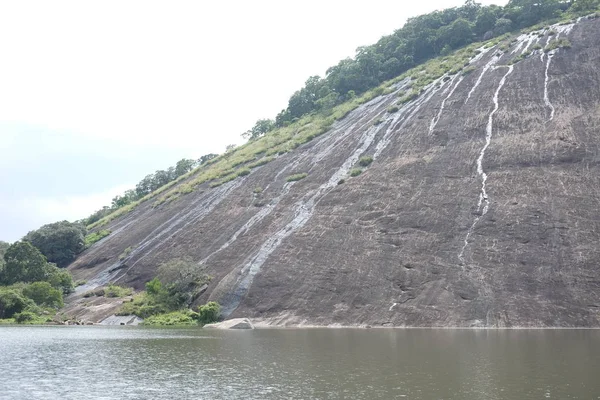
(296, 177)
(406, 98)
(96, 236)
(125, 253)
(557, 44)
(520, 57)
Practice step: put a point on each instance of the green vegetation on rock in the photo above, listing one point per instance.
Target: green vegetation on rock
(365, 161)
(31, 289)
(355, 172)
(558, 44)
(296, 177)
(174, 318)
(96, 236)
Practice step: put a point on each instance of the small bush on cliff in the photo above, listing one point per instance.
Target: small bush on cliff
(365, 161)
(355, 172)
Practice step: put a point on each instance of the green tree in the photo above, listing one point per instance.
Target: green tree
(154, 287)
(502, 26)
(128, 197)
(585, 5)
(43, 294)
(60, 242)
(3, 247)
(60, 279)
(11, 302)
(206, 157)
(24, 263)
(184, 166)
(261, 127)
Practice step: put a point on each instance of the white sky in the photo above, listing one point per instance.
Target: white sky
(95, 95)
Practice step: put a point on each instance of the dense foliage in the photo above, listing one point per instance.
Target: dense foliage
(3, 247)
(59, 242)
(25, 263)
(31, 288)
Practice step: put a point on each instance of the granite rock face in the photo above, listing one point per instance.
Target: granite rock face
(481, 208)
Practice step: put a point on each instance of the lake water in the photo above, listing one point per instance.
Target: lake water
(142, 363)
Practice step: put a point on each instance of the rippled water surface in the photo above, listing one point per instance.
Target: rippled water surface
(142, 363)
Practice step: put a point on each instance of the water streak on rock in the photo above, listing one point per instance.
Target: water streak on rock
(483, 196)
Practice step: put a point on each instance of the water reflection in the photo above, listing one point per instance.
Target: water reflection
(136, 363)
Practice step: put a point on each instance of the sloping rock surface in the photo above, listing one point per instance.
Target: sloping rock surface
(481, 208)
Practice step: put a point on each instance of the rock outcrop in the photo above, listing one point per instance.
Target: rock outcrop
(480, 208)
(236, 323)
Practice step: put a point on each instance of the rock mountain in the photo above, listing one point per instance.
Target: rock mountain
(481, 207)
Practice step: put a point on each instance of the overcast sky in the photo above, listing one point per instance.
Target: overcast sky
(96, 95)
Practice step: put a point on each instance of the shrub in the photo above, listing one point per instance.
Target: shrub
(43, 294)
(209, 312)
(12, 302)
(25, 316)
(143, 306)
(355, 172)
(244, 172)
(154, 287)
(175, 318)
(341, 181)
(393, 109)
(117, 291)
(61, 279)
(125, 253)
(296, 177)
(365, 161)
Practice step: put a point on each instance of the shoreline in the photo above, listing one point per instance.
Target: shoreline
(264, 326)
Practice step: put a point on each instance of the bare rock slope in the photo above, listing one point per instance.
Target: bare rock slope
(480, 208)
